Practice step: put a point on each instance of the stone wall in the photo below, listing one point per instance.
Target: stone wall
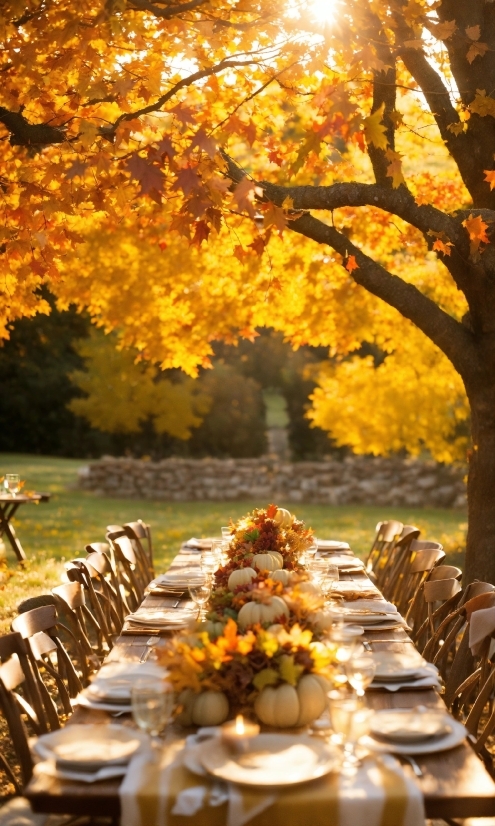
(357, 480)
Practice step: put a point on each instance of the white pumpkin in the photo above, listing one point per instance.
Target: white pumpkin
(283, 518)
(278, 556)
(242, 576)
(210, 708)
(253, 613)
(276, 628)
(309, 588)
(267, 562)
(282, 576)
(286, 706)
(321, 620)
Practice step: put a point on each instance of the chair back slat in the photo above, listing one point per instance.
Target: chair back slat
(11, 677)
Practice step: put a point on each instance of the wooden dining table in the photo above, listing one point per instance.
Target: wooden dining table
(454, 783)
(9, 505)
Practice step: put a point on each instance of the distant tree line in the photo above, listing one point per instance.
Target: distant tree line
(41, 361)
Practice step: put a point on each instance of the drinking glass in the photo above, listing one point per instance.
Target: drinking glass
(350, 721)
(226, 532)
(360, 671)
(200, 593)
(217, 550)
(317, 569)
(12, 483)
(209, 563)
(152, 705)
(329, 578)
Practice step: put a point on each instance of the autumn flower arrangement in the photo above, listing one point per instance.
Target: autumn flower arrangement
(244, 667)
(266, 530)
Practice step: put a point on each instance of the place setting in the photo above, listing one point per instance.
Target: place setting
(111, 690)
(395, 671)
(419, 730)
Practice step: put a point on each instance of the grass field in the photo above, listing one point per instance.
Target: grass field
(58, 531)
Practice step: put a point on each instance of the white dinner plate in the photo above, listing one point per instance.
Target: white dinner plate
(90, 746)
(391, 666)
(410, 726)
(449, 741)
(275, 760)
(332, 545)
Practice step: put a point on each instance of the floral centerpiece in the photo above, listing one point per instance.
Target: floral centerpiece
(283, 675)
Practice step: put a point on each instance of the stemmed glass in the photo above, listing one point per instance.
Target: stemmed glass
(12, 483)
(329, 578)
(360, 671)
(317, 569)
(209, 563)
(152, 706)
(200, 593)
(350, 721)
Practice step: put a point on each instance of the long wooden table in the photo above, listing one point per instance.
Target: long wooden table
(454, 784)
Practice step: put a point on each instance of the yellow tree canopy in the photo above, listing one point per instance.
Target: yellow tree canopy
(364, 126)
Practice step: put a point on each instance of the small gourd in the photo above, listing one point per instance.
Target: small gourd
(283, 518)
(210, 708)
(254, 613)
(267, 562)
(282, 576)
(242, 576)
(286, 706)
(213, 628)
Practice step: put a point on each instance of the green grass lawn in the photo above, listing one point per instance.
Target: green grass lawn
(58, 531)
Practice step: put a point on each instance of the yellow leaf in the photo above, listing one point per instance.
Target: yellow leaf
(274, 216)
(374, 130)
(87, 133)
(394, 169)
(476, 229)
(288, 203)
(482, 104)
(457, 128)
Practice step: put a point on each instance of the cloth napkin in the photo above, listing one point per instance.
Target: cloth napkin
(429, 679)
(161, 792)
(481, 626)
(49, 767)
(162, 617)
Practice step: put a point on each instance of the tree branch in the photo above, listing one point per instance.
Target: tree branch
(23, 133)
(449, 335)
(171, 11)
(384, 94)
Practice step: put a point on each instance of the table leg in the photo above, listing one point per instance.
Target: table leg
(8, 530)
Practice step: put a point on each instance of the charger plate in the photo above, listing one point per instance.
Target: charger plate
(89, 747)
(274, 760)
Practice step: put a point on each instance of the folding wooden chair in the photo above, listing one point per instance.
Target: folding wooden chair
(12, 676)
(71, 605)
(142, 533)
(387, 534)
(101, 557)
(437, 599)
(415, 573)
(128, 542)
(41, 628)
(131, 576)
(398, 560)
(104, 618)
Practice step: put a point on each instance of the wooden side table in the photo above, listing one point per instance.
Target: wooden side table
(8, 507)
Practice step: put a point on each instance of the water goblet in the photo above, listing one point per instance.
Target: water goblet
(360, 671)
(217, 550)
(152, 706)
(226, 532)
(329, 578)
(209, 563)
(12, 483)
(200, 593)
(317, 569)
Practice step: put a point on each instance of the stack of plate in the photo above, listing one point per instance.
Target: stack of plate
(194, 544)
(327, 547)
(374, 615)
(111, 688)
(413, 731)
(345, 563)
(394, 671)
(176, 582)
(88, 752)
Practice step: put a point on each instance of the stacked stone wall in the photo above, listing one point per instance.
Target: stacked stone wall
(356, 480)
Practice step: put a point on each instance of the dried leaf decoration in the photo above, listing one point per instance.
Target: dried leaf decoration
(374, 130)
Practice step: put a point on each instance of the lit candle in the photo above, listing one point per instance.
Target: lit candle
(237, 734)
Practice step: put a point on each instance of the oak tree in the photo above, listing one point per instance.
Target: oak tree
(366, 126)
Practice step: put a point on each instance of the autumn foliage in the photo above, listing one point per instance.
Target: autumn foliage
(160, 159)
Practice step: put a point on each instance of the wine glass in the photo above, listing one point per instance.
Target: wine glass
(209, 563)
(152, 705)
(329, 578)
(226, 532)
(200, 593)
(12, 483)
(360, 671)
(317, 569)
(217, 551)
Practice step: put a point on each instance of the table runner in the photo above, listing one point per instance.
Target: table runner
(161, 793)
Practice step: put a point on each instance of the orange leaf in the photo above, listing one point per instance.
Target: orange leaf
(442, 246)
(490, 177)
(351, 264)
(243, 196)
(274, 216)
(443, 31)
(476, 229)
(473, 32)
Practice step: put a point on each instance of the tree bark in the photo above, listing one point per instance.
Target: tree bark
(480, 546)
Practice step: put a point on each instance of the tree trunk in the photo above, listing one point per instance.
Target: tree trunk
(480, 551)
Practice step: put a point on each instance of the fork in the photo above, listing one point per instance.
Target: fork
(414, 766)
(149, 646)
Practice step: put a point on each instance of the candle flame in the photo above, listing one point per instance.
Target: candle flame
(239, 724)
